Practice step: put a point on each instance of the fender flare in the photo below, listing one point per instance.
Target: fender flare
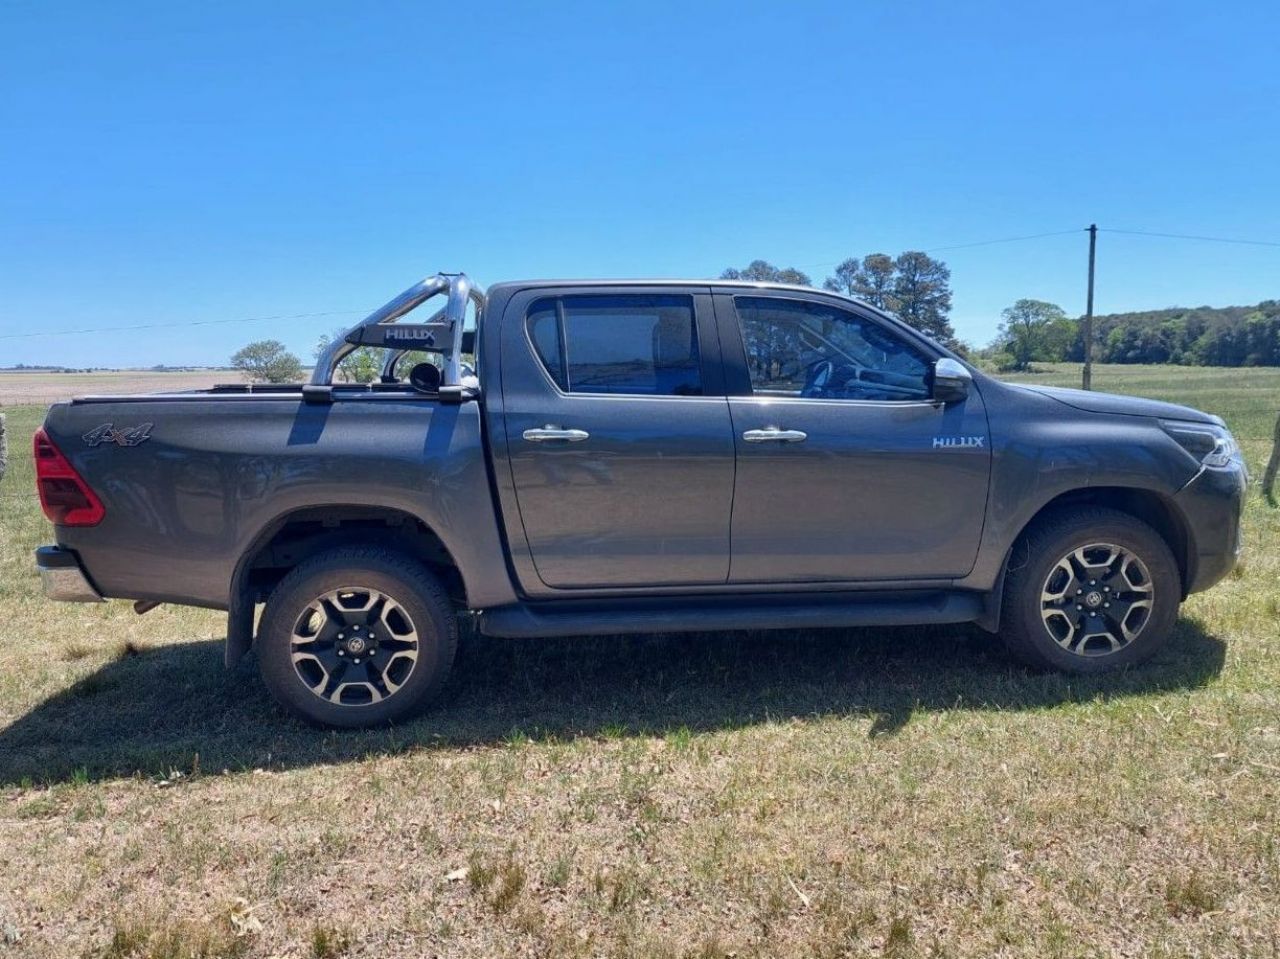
(240, 604)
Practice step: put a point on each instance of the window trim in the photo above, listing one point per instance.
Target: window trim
(562, 341)
(734, 347)
(710, 370)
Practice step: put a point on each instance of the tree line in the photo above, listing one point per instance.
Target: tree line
(1033, 330)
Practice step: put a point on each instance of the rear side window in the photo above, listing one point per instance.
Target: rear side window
(544, 332)
(634, 344)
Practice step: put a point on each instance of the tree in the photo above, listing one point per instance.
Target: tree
(870, 279)
(268, 361)
(914, 285)
(1034, 330)
(922, 289)
(361, 365)
(762, 271)
(1062, 340)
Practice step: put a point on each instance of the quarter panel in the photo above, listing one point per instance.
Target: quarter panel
(183, 507)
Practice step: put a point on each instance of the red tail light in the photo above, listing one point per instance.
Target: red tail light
(65, 496)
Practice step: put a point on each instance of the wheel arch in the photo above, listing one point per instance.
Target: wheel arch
(303, 532)
(1149, 506)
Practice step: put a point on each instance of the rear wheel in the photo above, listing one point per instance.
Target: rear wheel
(357, 637)
(1089, 590)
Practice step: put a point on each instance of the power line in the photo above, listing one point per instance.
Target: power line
(1101, 229)
(165, 326)
(1191, 236)
(1007, 239)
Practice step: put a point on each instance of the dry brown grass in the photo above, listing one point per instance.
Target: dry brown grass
(881, 793)
(36, 387)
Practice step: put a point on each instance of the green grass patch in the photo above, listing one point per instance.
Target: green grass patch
(903, 792)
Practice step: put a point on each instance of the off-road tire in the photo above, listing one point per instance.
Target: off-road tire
(1034, 557)
(394, 575)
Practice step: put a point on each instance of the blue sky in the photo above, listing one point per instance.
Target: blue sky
(175, 162)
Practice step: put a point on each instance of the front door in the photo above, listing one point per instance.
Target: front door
(619, 437)
(847, 470)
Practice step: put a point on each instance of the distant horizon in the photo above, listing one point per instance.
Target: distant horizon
(153, 368)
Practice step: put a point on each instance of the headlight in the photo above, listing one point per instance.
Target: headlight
(1211, 445)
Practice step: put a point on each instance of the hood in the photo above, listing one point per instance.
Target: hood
(1092, 402)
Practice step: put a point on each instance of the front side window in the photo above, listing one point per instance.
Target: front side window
(811, 350)
(634, 344)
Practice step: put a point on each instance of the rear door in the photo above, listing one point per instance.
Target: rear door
(847, 470)
(619, 438)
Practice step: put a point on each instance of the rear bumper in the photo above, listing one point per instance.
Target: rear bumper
(63, 578)
(1213, 505)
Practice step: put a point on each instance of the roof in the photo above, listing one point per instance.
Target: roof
(507, 287)
(702, 281)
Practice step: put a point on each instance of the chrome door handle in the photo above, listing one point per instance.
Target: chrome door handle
(775, 435)
(548, 433)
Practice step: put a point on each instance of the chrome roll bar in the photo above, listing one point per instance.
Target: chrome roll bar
(459, 289)
(455, 310)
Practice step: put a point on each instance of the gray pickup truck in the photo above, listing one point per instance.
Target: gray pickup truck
(632, 457)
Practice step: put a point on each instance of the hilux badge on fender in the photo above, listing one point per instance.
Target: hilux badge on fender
(125, 436)
(963, 442)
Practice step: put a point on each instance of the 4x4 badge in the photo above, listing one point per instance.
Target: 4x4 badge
(125, 436)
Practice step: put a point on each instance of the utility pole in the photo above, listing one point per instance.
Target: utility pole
(1087, 379)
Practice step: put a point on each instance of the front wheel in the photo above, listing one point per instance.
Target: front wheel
(1089, 590)
(357, 637)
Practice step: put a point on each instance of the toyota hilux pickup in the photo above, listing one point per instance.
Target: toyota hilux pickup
(633, 457)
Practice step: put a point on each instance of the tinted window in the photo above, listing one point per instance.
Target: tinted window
(618, 344)
(797, 348)
(544, 331)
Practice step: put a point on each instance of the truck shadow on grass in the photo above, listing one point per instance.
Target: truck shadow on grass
(175, 708)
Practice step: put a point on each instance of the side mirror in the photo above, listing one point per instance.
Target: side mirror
(950, 381)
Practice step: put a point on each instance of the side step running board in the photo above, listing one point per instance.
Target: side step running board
(677, 616)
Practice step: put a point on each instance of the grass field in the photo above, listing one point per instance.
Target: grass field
(880, 793)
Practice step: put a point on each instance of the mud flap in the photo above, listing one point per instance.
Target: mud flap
(993, 602)
(239, 628)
